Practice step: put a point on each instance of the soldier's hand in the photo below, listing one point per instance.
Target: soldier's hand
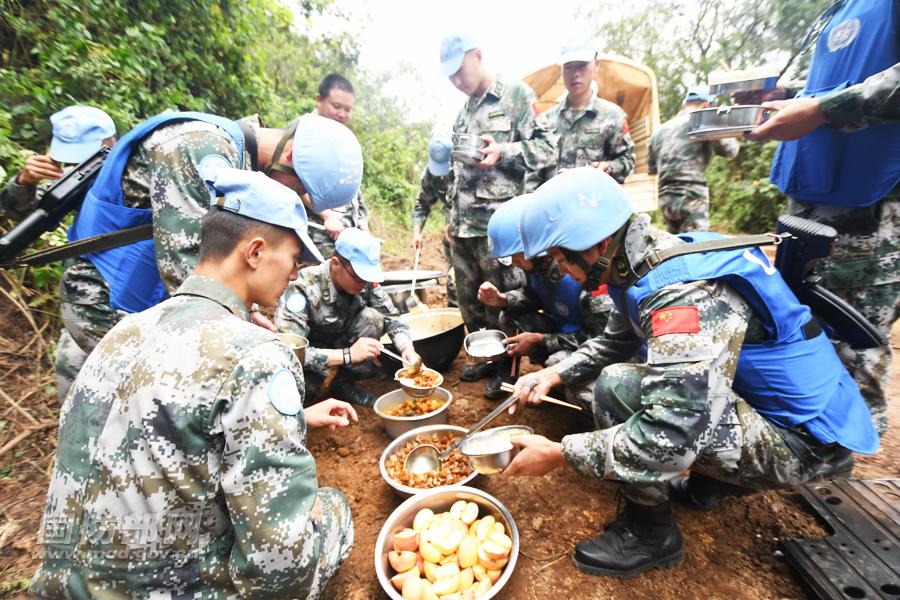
(417, 240)
(410, 355)
(333, 225)
(524, 343)
(794, 119)
(602, 165)
(332, 413)
(489, 294)
(447, 232)
(531, 387)
(364, 349)
(536, 456)
(38, 167)
(262, 320)
(491, 152)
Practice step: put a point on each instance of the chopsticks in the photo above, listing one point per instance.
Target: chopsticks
(508, 387)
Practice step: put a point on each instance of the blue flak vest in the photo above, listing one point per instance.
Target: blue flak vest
(563, 304)
(833, 167)
(130, 270)
(788, 379)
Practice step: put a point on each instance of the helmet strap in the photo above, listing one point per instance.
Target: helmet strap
(274, 164)
(594, 273)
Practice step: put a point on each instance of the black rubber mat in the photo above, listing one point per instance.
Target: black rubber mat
(862, 557)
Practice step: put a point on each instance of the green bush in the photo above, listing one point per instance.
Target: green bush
(741, 197)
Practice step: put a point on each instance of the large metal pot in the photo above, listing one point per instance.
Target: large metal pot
(437, 336)
(439, 500)
(394, 426)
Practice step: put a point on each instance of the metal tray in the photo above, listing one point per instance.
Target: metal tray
(724, 122)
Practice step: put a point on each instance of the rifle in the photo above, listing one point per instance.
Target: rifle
(65, 196)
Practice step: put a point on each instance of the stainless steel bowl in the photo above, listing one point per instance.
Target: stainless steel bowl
(486, 462)
(394, 426)
(399, 292)
(418, 392)
(467, 147)
(744, 85)
(295, 342)
(440, 500)
(485, 345)
(725, 121)
(400, 441)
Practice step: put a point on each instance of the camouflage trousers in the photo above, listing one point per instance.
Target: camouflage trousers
(366, 323)
(744, 448)
(685, 207)
(69, 360)
(337, 537)
(864, 270)
(451, 277)
(472, 266)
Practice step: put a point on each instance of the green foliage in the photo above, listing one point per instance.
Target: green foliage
(741, 197)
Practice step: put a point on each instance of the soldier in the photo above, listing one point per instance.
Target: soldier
(591, 129)
(681, 163)
(518, 147)
(156, 174)
(339, 308)
(432, 189)
(739, 384)
(182, 467)
(552, 312)
(78, 133)
(843, 170)
(335, 100)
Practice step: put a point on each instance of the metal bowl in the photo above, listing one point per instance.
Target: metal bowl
(485, 345)
(467, 147)
(418, 392)
(725, 121)
(407, 275)
(437, 337)
(440, 500)
(394, 426)
(491, 462)
(399, 292)
(400, 441)
(295, 342)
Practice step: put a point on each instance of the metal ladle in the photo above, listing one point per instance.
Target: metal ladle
(428, 459)
(414, 366)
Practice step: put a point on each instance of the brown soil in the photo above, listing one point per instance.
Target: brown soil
(729, 553)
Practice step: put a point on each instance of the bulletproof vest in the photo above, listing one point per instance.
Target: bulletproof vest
(560, 299)
(134, 280)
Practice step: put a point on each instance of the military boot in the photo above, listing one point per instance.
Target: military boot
(700, 492)
(477, 371)
(641, 537)
(492, 389)
(343, 387)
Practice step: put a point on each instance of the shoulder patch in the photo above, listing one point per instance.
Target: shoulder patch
(211, 164)
(678, 319)
(296, 303)
(283, 393)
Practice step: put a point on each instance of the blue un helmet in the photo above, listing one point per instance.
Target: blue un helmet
(575, 210)
(503, 228)
(328, 160)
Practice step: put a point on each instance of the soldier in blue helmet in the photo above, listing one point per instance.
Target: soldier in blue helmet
(739, 385)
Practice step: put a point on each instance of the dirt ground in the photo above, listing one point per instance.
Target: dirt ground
(729, 553)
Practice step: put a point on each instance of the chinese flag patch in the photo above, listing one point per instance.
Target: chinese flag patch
(625, 127)
(600, 291)
(678, 319)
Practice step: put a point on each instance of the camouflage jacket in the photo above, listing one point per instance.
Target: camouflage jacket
(353, 214)
(680, 160)
(598, 132)
(17, 201)
(183, 470)
(687, 386)
(594, 311)
(875, 100)
(527, 147)
(432, 189)
(314, 308)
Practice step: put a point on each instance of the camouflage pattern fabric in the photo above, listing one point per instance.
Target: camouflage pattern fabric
(433, 189)
(186, 474)
(863, 270)
(681, 164)
(868, 103)
(314, 308)
(677, 411)
(598, 132)
(527, 146)
(354, 214)
(17, 201)
(69, 360)
(473, 265)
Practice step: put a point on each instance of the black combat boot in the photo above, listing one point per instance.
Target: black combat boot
(641, 537)
(343, 387)
(477, 371)
(492, 389)
(700, 492)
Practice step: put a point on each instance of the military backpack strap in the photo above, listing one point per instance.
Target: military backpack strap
(97, 243)
(657, 257)
(250, 144)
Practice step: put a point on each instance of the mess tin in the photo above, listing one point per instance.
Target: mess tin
(485, 345)
(295, 342)
(725, 121)
(467, 147)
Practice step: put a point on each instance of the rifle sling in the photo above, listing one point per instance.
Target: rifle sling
(657, 257)
(97, 243)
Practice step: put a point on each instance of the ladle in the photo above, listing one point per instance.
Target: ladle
(414, 366)
(428, 459)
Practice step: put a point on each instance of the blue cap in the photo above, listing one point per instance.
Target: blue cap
(253, 195)
(439, 153)
(503, 227)
(363, 251)
(578, 51)
(699, 93)
(78, 132)
(575, 210)
(328, 160)
(453, 49)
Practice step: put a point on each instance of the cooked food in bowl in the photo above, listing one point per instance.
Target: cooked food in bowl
(454, 468)
(425, 378)
(416, 407)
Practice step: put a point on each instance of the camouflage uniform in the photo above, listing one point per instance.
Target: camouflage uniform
(185, 473)
(677, 410)
(431, 190)
(17, 201)
(528, 149)
(163, 175)
(354, 214)
(863, 266)
(598, 132)
(681, 163)
(314, 308)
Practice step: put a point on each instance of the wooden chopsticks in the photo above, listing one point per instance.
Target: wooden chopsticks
(508, 387)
